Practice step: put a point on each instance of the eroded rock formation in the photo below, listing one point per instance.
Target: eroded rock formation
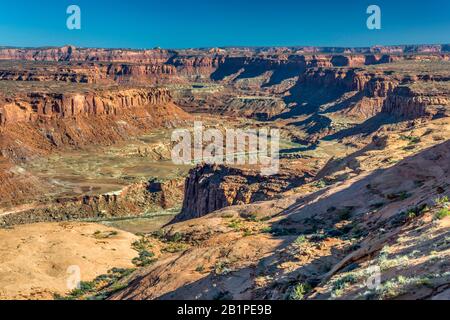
(213, 187)
(134, 200)
(64, 119)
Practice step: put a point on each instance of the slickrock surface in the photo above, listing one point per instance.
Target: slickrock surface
(210, 187)
(35, 258)
(325, 240)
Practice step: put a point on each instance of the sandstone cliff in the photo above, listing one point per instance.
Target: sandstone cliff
(212, 187)
(71, 53)
(408, 103)
(47, 120)
(136, 199)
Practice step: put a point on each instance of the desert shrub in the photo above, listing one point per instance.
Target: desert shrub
(343, 282)
(100, 288)
(176, 237)
(222, 267)
(278, 232)
(141, 244)
(299, 291)
(410, 214)
(200, 269)
(84, 288)
(235, 224)
(165, 236)
(442, 201)
(320, 183)
(442, 213)
(173, 247)
(144, 259)
(300, 240)
(411, 139)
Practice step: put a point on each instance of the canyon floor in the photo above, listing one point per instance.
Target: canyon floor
(358, 210)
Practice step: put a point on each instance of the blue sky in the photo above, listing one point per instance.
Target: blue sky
(210, 23)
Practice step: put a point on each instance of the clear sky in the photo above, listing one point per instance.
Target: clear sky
(211, 23)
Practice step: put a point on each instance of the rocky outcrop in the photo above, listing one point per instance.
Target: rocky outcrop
(147, 73)
(86, 72)
(45, 106)
(212, 187)
(349, 79)
(88, 75)
(38, 122)
(71, 53)
(145, 65)
(406, 103)
(134, 200)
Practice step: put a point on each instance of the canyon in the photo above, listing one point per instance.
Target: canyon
(363, 179)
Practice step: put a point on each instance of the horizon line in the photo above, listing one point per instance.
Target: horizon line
(223, 47)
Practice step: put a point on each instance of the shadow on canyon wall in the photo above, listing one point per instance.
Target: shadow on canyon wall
(304, 217)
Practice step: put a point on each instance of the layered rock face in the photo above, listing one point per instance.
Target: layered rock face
(140, 73)
(177, 65)
(74, 74)
(39, 121)
(50, 106)
(408, 103)
(86, 72)
(212, 187)
(71, 53)
(354, 92)
(364, 93)
(133, 200)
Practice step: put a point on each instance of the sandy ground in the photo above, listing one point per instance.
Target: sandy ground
(34, 259)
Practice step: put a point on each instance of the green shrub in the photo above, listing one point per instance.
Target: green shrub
(144, 259)
(235, 225)
(441, 214)
(141, 244)
(299, 291)
(300, 240)
(411, 139)
(200, 269)
(442, 200)
(173, 247)
(344, 281)
(320, 183)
